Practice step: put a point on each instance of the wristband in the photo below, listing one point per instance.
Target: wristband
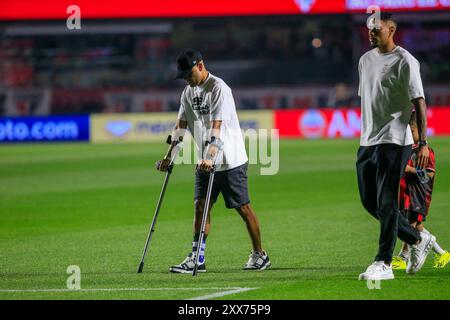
(215, 142)
(210, 141)
(169, 139)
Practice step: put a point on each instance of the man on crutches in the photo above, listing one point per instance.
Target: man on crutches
(207, 108)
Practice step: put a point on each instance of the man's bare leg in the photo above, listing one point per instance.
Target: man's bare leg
(251, 220)
(199, 205)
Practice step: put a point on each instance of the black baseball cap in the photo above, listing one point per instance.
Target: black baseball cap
(185, 61)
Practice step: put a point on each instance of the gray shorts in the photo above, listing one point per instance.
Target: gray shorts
(231, 183)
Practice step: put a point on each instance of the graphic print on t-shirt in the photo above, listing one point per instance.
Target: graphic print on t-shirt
(197, 105)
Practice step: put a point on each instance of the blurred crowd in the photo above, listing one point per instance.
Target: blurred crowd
(259, 52)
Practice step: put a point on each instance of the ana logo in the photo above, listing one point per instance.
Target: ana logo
(312, 124)
(118, 128)
(305, 5)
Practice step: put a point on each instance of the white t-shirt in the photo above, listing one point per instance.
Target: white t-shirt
(387, 84)
(213, 100)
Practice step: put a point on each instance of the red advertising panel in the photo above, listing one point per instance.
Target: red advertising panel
(438, 121)
(98, 9)
(342, 123)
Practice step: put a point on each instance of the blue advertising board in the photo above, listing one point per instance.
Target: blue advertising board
(44, 129)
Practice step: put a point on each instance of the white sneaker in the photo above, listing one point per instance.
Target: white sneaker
(187, 266)
(419, 252)
(258, 261)
(377, 271)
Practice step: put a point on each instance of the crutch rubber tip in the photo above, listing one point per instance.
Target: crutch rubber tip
(141, 267)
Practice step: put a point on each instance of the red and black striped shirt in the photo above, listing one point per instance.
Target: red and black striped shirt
(414, 195)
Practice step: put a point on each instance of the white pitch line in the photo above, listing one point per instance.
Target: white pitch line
(119, 289)
(221, 294)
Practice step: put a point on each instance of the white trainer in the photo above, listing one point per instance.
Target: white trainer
(419, 253)
(187, 266)
(377, 271)
(258, 261)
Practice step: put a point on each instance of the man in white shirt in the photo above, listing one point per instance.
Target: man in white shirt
(389, 86)
(207, 108)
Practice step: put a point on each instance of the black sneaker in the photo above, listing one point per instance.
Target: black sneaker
(258, 261)
(187, 266)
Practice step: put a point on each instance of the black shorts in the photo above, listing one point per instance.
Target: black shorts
(231, 183)
(414, 216)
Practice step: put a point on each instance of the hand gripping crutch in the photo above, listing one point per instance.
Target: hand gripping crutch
(219, 144)
(175, 152)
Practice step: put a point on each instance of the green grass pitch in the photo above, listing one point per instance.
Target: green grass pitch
(91, 206)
